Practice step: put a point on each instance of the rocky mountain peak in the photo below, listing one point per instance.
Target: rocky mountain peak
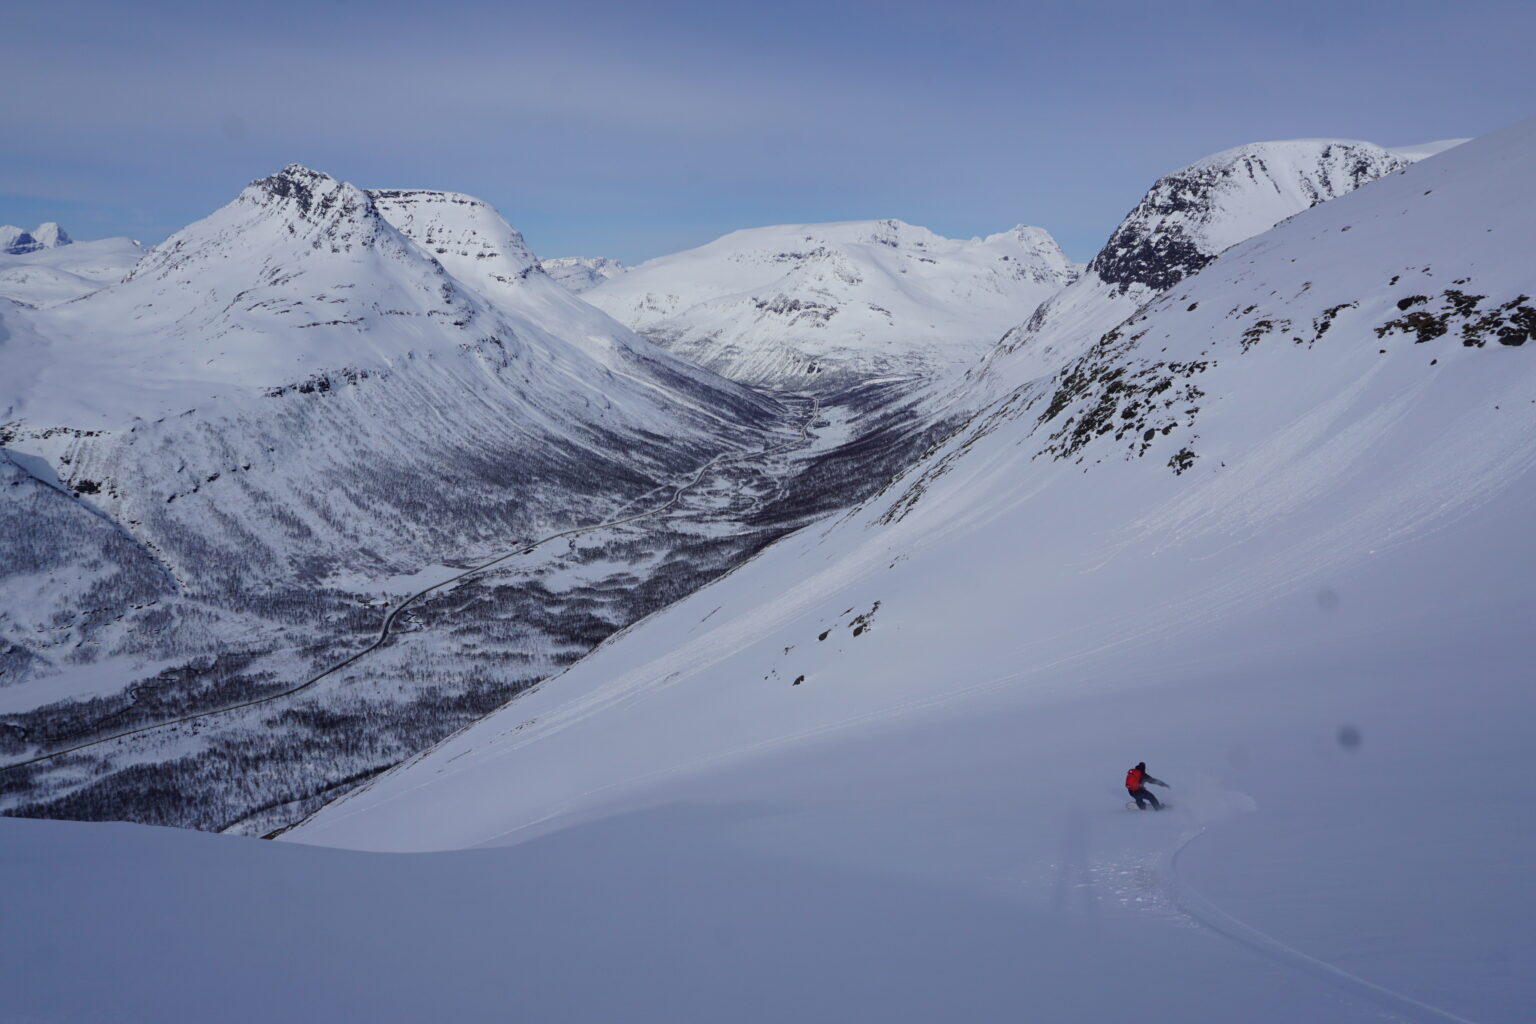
(1186, 218)
(18, 241)
(308, 195)
(50, 236)
(287, 216)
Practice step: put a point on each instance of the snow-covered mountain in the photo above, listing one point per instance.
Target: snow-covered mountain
(303, 274)
(49, 275)
(1270, 534)
(1191, 215)
(579, 273)
(1183, 222)
(18, 241)
(829, 305)
(315, 383)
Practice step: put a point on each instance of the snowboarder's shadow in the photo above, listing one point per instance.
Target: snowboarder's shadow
(1074, 896)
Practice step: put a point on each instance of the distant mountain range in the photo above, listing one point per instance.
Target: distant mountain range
(829, 305)
(18, 242)
(579, 274)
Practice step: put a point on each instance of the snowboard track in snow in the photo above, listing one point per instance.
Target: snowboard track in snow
(801, 438)
(1211, 917)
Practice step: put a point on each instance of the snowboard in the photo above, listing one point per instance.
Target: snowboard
(1130, 805)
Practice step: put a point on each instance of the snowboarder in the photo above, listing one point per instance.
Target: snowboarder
(1136, 781)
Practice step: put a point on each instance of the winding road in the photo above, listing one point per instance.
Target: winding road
(385, 629)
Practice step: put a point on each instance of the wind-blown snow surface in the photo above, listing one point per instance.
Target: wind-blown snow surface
(1272, 536)
(827, 305)
(1182, 223)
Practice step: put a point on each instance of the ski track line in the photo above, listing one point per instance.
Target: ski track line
(1212, 917)
(389, 620)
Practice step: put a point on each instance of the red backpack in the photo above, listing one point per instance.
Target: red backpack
(1133, 779)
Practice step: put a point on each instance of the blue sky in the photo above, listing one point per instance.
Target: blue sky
(636, 129)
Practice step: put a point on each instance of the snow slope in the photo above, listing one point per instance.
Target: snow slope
(49, 276)
(833, 304)
(1182, 223)
(580, 274)
(1425, 149)
(1271, 536)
